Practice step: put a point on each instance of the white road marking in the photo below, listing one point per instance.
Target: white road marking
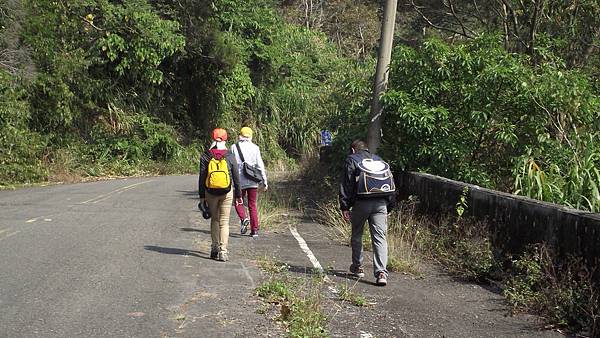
(313, 259)
(94, 200)
(10, 235)
(317, 265)
(3, 231)
(306, 249)
(106, 196)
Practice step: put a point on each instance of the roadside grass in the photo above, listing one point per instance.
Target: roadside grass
(330, 215)
(346, 293)
(270, 265)
(564, 294)
(297, 301)
(402, 238)
(462, 246)
(79, 162)
(281, 203)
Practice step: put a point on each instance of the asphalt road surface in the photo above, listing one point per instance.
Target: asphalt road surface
(105, 259)
(129, 258)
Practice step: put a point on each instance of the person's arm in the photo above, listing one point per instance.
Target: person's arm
(234, 151)
(347, 185)
(202, 176)
(392, 202)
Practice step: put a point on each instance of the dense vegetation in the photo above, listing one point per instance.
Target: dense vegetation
(94, 88)
(479, 114)
(508, 101)
(505, 95)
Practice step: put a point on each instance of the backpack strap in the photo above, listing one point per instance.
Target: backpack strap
(237, 145)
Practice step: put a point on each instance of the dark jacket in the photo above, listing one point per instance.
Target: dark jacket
(350, 172)
(231, 164)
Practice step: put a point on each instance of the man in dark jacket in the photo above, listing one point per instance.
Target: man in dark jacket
(372, 208)
(219, 200)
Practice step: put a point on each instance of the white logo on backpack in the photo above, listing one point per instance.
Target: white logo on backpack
(375, 178)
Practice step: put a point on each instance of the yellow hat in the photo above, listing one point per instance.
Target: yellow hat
(246, 132)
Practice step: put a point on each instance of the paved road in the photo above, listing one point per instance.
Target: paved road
(129, 258)
(112, 258)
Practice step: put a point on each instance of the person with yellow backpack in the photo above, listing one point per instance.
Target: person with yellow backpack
(218, 185)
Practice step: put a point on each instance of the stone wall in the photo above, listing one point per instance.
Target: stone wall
(515, 221)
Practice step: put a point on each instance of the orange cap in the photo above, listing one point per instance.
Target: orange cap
(219, 134)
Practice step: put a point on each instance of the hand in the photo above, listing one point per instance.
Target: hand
(346, 215)
(239, 201)
(265, 187)
(201, 203)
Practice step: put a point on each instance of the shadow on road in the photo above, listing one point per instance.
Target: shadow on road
(330, 272)
(176, 251)
(208, 232)
(192, 194)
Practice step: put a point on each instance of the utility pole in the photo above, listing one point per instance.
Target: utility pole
(381, 75)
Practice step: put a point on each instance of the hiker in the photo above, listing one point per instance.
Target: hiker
(218, 184)
(252, 175)
(367, 193)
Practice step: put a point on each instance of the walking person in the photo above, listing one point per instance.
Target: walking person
(367, 193)
(218, 185)
(252, 175)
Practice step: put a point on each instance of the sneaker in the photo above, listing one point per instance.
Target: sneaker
(254, 234)
(357, 271)
(244, 226)
(223, 257)
(214, 254)
(381, 280)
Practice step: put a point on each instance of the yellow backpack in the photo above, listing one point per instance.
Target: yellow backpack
(218, 179)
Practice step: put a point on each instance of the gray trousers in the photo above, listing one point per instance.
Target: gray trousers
(373, 210)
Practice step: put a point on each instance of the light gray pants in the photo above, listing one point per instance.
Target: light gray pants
(373, 210)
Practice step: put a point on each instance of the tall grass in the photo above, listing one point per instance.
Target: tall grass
(281, 204)
(403, 236)
(564, 294)
(572, 179)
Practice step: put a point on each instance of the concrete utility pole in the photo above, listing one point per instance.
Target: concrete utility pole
(381, 75)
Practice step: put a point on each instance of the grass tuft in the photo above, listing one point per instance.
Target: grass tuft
(270, 265)
(299, 300)
(347, 294)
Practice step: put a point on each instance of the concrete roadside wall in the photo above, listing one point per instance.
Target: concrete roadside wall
(515, 221)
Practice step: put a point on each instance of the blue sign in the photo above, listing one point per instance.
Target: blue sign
(325, 137)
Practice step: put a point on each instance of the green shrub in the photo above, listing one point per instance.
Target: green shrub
(469, 111)
(564, 294)
(21, 150)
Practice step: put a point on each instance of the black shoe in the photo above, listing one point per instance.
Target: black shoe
(214, 254)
